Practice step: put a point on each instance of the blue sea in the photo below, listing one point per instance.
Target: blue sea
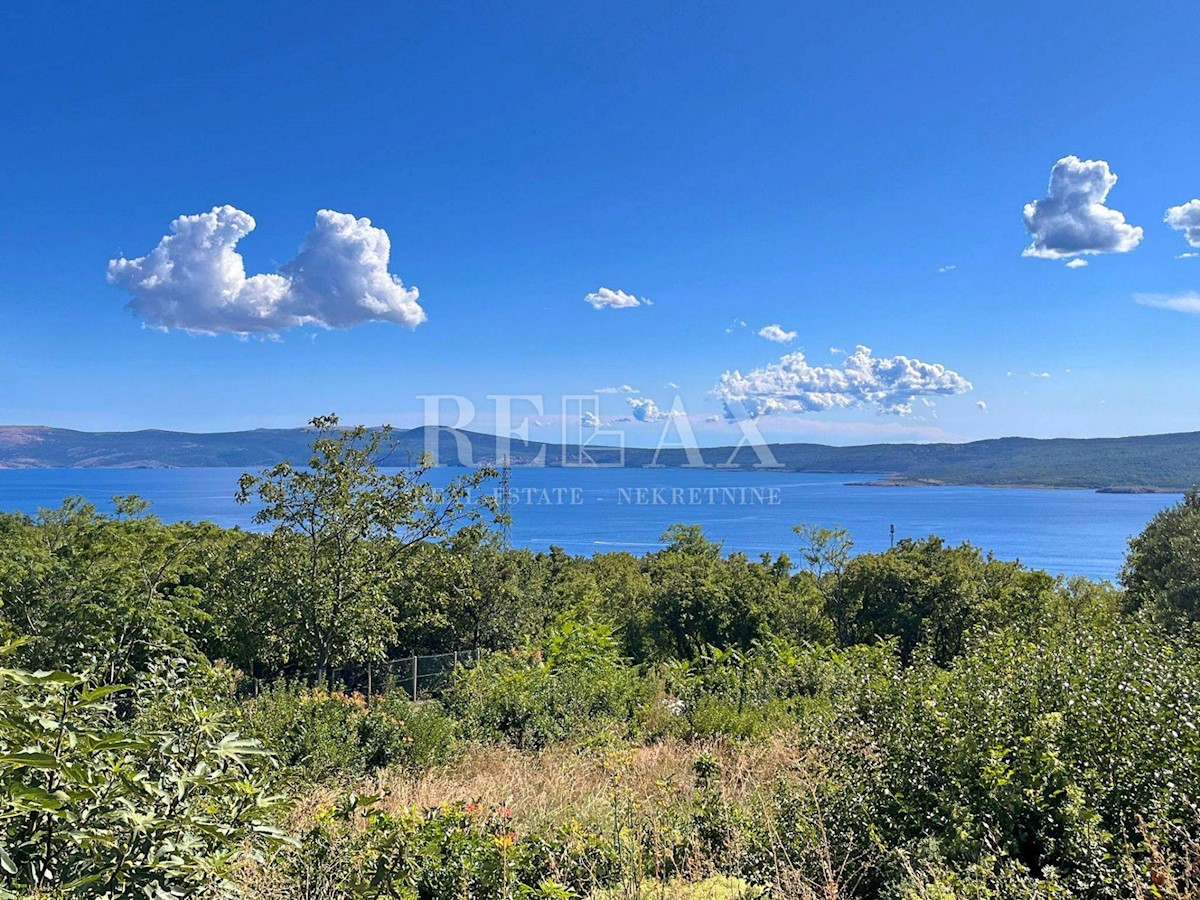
(591, 510)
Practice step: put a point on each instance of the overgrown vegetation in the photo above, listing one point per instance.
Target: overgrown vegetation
(928, 722)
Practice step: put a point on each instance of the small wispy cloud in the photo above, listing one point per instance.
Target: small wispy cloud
(1186, 218)
(735, 325)
(982, 405)
(1039, 374)
(610, 299)
(942, 270)
(646, 410)
(1077, 263)
(1185, 303)
(777, 334)
(623, 389)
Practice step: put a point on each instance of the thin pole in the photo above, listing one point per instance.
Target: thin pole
(414, 692)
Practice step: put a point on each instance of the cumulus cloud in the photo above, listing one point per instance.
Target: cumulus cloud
(646, 410)
(196, 280)
(1184, 303)
(1187, 255)
(792, 385)
(777, 334)
(589, 419)
(609, 299)
(1072, 218)
(1186, 218)
(1077, 263)
(623, 389)
(735, 325)
(982, 405)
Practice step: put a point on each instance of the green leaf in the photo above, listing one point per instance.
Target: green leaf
(29, 759)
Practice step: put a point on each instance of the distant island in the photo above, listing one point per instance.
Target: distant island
(1161, 462)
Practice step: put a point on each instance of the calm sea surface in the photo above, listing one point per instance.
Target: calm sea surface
(585, 511)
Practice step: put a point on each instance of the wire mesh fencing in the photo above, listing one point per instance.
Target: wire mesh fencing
(418, 676)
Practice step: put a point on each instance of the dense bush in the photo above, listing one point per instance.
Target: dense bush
(1056, 755)
(324, 734)
(926, 593)
(574, 686)
(117, 792)
(1162, 568)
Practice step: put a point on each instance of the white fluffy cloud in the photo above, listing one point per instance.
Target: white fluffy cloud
(646, 410)
(777, 334)
(589, 419)
(1072, 218)
(982, 405)
(1185, 303)
(196, 280)
(609, 299)
(1186, 218)
(889, 384)
(1077, 263)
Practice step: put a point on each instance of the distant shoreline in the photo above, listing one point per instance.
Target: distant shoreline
(930, 482)
(1152, 464)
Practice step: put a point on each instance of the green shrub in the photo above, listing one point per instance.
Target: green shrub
(1049, 753)
(574, 686)
(325, 734)
(456, 850)
(744, 694)
(160, 798)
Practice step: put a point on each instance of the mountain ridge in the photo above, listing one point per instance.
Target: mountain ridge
(1141, 462)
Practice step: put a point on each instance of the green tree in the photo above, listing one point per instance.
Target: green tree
(923, 592)
(1162, 567)
(343, 528)
(824, 552)
(110, 593)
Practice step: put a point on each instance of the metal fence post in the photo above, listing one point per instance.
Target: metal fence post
(414, 683)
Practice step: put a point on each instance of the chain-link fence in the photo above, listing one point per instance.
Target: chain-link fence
(417, 676)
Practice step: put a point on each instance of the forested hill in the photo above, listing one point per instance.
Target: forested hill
(1165, 461)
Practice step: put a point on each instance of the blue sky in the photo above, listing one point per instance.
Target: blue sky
(758, 163)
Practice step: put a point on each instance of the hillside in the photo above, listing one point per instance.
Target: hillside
(1165, 461)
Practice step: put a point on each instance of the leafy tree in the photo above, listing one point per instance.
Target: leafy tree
(110, 593)
(1162, 567)
(825, 553)
(343, 529)
(698, 599)
(924, 592)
